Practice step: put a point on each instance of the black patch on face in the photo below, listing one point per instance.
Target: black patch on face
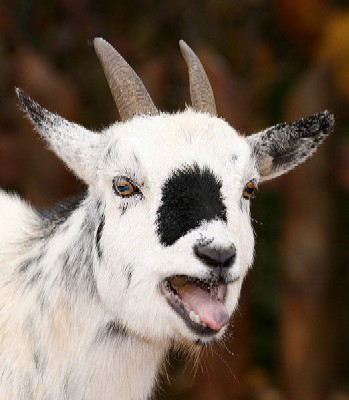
(99, 235)
(190, 196)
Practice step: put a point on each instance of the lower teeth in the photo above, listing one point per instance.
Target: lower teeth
(195, 318)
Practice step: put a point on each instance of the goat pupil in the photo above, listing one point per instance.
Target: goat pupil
(123, 187)
(248, 190)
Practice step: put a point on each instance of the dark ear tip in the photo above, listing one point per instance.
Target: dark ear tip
(30, 107)
(318, 124)
(21, 96)
(24, 100)
(327, 121)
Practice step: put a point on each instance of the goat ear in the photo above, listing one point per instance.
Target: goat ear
(75, 145)
(282, 147)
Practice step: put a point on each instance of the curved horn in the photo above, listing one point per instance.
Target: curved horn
(200, 88)
(129, 93)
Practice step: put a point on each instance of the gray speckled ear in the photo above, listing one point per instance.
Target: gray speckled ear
(75, 145)
(282, 147)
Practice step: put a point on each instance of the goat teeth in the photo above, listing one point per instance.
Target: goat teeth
(194, 317)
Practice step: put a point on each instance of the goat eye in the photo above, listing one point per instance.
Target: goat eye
(249, 190)
(124, 187)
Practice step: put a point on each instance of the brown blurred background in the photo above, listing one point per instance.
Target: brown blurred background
(268, 61)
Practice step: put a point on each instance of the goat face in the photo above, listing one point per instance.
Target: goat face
(174, 240)
(178, 247)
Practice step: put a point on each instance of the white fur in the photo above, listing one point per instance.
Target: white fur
(64, 329)
(82, 321)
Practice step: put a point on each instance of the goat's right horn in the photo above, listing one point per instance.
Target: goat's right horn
(129, 93)
(200, 88)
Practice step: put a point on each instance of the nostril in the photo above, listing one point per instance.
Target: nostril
(216, 256)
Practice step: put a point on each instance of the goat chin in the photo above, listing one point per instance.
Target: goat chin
(94, 291)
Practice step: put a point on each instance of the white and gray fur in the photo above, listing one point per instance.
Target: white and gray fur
(82, 314)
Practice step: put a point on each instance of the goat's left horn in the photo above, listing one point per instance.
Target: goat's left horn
(129, 93)
(200, 88)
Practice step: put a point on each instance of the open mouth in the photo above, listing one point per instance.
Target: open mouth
(199, 303)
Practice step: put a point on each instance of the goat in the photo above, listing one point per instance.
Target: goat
(94, 291)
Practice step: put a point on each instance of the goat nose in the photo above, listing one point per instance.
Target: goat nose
(215, 256)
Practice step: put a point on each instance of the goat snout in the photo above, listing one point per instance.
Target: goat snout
(215, 256)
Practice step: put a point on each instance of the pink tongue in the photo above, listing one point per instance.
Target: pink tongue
(210, 310)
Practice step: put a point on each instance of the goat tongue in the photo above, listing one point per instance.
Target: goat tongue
(208, 305)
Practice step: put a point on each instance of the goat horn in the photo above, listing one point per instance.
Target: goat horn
(129, 93)
(200, 88)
